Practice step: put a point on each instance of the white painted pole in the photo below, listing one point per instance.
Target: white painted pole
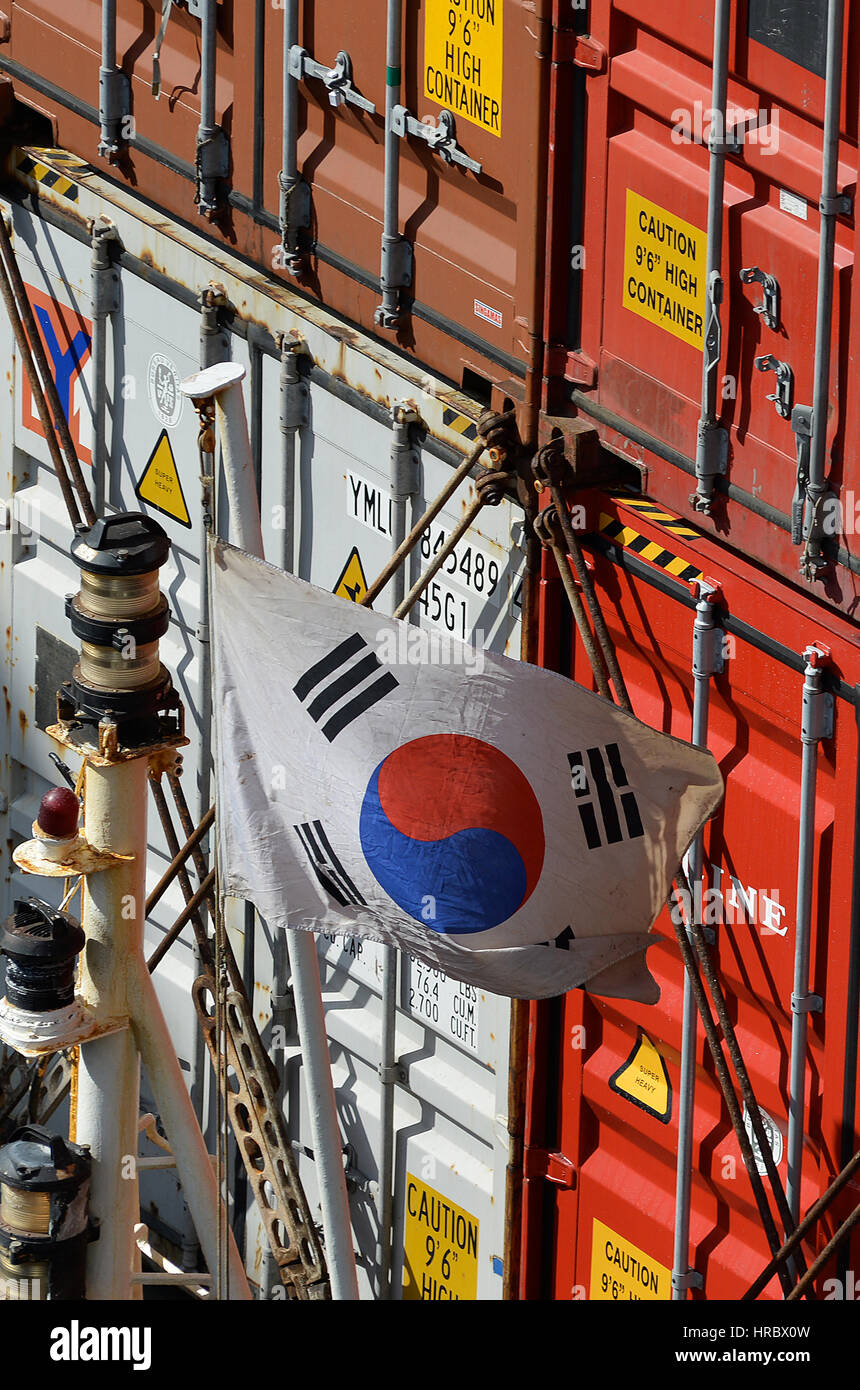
(223, 381)
(109, 1067)
(116, 983)
(322, 1107)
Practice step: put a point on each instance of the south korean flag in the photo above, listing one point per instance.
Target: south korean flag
(497, 821)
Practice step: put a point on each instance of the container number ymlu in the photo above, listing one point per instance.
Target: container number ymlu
(470, 568)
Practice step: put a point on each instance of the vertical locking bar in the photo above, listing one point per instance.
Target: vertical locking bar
(396, 267)
(294, 415)
(404, 485)
(816, 724)
(295, 209)
(708, 661)
(830, 205)
(105, 295)
(712, 440)
(114, 88)
(212, 156)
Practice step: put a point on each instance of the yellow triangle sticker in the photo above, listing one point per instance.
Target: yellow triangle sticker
(644, 1080)
(159, 485)
(352, 583)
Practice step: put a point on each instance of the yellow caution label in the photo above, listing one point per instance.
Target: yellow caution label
(352, 583)
(463, 59)
(621, 1271)
(665, 262)
(159, 485)
(440, 1247)
(643, 1078)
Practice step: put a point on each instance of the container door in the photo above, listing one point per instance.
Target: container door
(605, 1084)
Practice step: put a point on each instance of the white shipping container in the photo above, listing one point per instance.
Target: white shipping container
(333, 513)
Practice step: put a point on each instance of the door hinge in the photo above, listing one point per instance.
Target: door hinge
(539, 1163)
(580, 49)
(575, 367)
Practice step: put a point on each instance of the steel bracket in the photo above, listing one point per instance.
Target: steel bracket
(691, 1280)
(589, 53)
(708, 657)
(337, 80)
(716, 446)
(840, 206)
(816, 719)
(801, 424)
(783, 396)
(214, 336)
(115, 104)
(806, 1003)
(104, 274)
(441, 137)
(397, 263)
(769, 307)
(735, 136)
(212, 164)
(575, 367)
(404, 458)
(356, 1180)
(296, 218)
(556, 1168)
(392, 1076)
(295, 396)
(213, 155)
(732, 144)
(580, 49)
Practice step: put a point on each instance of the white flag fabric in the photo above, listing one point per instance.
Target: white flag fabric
(498, 821)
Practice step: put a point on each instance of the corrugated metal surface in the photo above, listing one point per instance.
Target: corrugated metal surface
(612, 1106)
(634, 304)
(451, 1105)
(477, 238)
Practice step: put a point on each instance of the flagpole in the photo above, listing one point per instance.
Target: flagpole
(222, 383)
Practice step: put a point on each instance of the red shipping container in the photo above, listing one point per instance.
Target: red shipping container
(626, 319)
(604, 1099)
(471, 241)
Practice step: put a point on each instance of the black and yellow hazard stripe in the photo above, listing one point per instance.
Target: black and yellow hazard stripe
(645, 507)
(616, 531)
(461, 423)
(31, 164)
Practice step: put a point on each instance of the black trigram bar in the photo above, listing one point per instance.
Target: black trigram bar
(586, 784)
(326, 865)
(335, 686)
(562, 941)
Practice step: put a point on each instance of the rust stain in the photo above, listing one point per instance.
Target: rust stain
(8, 702)
(23, 721)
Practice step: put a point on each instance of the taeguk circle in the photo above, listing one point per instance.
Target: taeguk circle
(452, 830)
